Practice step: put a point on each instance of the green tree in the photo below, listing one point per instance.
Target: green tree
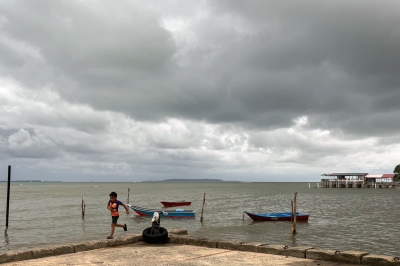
(397, 171)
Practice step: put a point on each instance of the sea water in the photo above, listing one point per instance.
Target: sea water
(49, 213)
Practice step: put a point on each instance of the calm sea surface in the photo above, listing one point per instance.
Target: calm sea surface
(43, 214)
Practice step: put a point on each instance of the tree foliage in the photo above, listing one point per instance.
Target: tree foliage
(397, 171)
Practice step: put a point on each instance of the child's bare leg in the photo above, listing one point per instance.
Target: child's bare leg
(112, 229)
(122, 225)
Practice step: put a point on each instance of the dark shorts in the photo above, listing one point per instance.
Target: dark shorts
(114, 219)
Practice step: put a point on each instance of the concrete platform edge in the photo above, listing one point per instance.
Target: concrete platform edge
(350, 257)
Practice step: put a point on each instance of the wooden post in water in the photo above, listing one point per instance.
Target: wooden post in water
(129, 190)
(202, 209)
(8, 194)
(294, 214)
(83, 206)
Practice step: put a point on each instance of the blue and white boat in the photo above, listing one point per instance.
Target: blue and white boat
(277, 216)
(170, 213)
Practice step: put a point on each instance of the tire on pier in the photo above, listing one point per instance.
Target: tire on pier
(154, 239)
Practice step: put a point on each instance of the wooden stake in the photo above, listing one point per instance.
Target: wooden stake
(129, 190)
(291, 217)
(294, 215)
(202, 209)
(8, 194)
(83, 206)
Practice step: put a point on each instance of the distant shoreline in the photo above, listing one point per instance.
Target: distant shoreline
(202, 180)
(37, 181)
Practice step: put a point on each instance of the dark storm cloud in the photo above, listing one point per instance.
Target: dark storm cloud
(329, 57)
(154, 87)
(291, 59)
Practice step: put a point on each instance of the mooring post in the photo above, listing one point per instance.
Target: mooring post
(83, 206)
(129, 190)
(291, 218)
(202, 209)
(294, 214)
(8, 194)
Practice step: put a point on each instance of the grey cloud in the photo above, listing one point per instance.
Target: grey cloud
(298, 58)
(31, 145)
(249, 68)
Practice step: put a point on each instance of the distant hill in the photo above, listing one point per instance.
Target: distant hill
(28, 181)
(21, 180)
(205, 180)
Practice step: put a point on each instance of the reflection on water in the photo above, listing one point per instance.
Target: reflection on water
(293, 238)
(6, 240)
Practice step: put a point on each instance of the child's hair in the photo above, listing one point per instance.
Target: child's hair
(113, 194)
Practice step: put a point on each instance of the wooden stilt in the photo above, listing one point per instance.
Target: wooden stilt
(294, 215)
(202, 209)
(8, 194)
(83, 205)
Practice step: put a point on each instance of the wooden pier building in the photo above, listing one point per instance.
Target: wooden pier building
(357, 180)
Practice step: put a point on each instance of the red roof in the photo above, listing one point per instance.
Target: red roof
(380, 176)
(388, 175)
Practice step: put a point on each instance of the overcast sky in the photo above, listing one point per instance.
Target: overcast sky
(235, 90)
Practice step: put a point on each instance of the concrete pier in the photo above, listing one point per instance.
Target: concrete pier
(181, 249)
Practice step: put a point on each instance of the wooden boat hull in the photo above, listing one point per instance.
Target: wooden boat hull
(175, 203)
(169, 213)
(279, 216)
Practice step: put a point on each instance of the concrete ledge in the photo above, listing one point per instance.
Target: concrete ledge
(180, 237)
(11, 256)
(321, 254)
(299, 252)
(178, 232)
(52, 251)
(239, 245)
(135, 238)
(94, 244)
(79, 247)
(192, 240)
(125, 240)
(379, 260)
(272, 249)
(351, 257)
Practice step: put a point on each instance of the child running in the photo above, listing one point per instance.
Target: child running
(113, 205)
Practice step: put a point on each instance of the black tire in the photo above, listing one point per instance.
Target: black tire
(154, 239)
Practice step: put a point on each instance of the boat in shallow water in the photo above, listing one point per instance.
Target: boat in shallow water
(169, 213)
(277, 216)
(175, 203)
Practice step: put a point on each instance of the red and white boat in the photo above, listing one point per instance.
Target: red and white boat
(176, 203)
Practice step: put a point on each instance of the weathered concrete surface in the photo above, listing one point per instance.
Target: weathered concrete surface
(299, 252)
(141, 254)
(353, 257)
(239, 245)
(15, 256)
(193, 240)
(380, 260)
(52, 251)
(178, 231)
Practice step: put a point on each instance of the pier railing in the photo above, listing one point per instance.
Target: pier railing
(346, 183)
